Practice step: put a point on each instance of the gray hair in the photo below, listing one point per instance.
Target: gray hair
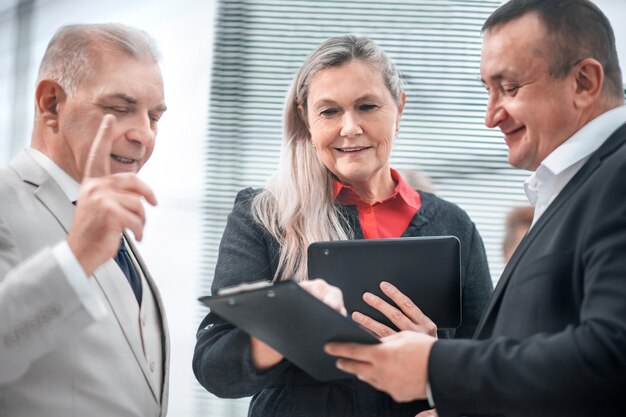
(297, 207)
(72, 51)
(333, 53)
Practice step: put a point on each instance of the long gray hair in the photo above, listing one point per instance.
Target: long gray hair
(297, 205)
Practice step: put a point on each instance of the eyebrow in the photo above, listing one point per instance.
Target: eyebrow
(131, 100)
(367, 96)
(126, 98)
(498, 77)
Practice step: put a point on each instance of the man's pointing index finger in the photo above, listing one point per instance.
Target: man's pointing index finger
(99, 158)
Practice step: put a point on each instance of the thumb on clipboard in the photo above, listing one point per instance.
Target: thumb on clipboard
(329, 294)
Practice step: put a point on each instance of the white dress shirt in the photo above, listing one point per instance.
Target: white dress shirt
(86, 288)
(545, 184)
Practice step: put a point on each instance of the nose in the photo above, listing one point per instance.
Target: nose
(351, 125)
(495, 113)
(142, 131)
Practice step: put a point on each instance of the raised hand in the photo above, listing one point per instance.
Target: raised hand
(406, 316)
(107, 204)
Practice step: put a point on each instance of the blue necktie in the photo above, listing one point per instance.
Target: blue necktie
(126, 265)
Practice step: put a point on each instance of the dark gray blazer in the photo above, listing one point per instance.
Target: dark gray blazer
(248, 252)
(553, 339)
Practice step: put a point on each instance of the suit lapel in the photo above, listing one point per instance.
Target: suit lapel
(159, 302)
(51, 195)
(113, 283)
(46, 189)
(615, 141)
(109, 276)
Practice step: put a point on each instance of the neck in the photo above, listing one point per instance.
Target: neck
(378, 188)
(45, 142)
(37, 141)
(595, 111)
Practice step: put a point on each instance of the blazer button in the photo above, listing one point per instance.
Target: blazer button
(143, 321)
(152, 366)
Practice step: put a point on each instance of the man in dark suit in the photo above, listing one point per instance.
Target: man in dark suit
(552, 341)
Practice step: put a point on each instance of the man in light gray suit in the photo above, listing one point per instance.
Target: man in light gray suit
(82, 326)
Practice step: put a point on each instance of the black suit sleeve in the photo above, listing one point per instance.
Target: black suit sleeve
(576, 370)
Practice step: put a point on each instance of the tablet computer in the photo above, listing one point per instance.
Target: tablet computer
(426, 269)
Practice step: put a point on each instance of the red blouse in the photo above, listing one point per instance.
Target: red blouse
(383, 219)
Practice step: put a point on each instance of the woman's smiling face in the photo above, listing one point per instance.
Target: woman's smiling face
(352, 118)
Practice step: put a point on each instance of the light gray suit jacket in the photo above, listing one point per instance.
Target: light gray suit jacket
(55, 359)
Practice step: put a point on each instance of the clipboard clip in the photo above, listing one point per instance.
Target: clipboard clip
(246, 286)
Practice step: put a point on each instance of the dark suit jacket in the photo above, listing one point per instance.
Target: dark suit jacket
(553, 339)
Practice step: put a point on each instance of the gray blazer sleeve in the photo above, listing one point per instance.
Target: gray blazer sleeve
(222, 360)
(39, 310)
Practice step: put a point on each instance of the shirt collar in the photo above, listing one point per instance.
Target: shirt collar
(345, 194)
(585, 141)
(68, 184)
(575, 150)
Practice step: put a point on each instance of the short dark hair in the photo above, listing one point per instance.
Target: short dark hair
(577, 28)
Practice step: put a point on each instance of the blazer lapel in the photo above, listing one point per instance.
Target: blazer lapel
(111, 280)
(161, 308)
(108, 276)
(51, 195)
(615, 141)
(46, 189)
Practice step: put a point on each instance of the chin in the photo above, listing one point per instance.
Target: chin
(350, 175)
(521, 164)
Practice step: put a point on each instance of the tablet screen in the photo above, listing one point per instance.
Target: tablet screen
(426, 269)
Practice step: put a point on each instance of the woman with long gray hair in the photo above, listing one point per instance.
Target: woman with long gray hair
(342, 116)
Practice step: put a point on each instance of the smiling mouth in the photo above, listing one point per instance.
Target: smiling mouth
(123, 160)
(508, 135)
(353, 149)
(513, 131)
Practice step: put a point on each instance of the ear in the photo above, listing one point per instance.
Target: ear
(589, 79)
(400, 110)
(49, 97)
(302, 114)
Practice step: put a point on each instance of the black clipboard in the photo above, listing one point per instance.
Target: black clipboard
(292, 321)
(426, 269)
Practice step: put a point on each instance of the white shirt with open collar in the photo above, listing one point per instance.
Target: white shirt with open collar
(558, 168)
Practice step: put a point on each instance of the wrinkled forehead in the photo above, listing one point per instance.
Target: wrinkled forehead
(526, 33)
(510, 47)
(135, 80)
